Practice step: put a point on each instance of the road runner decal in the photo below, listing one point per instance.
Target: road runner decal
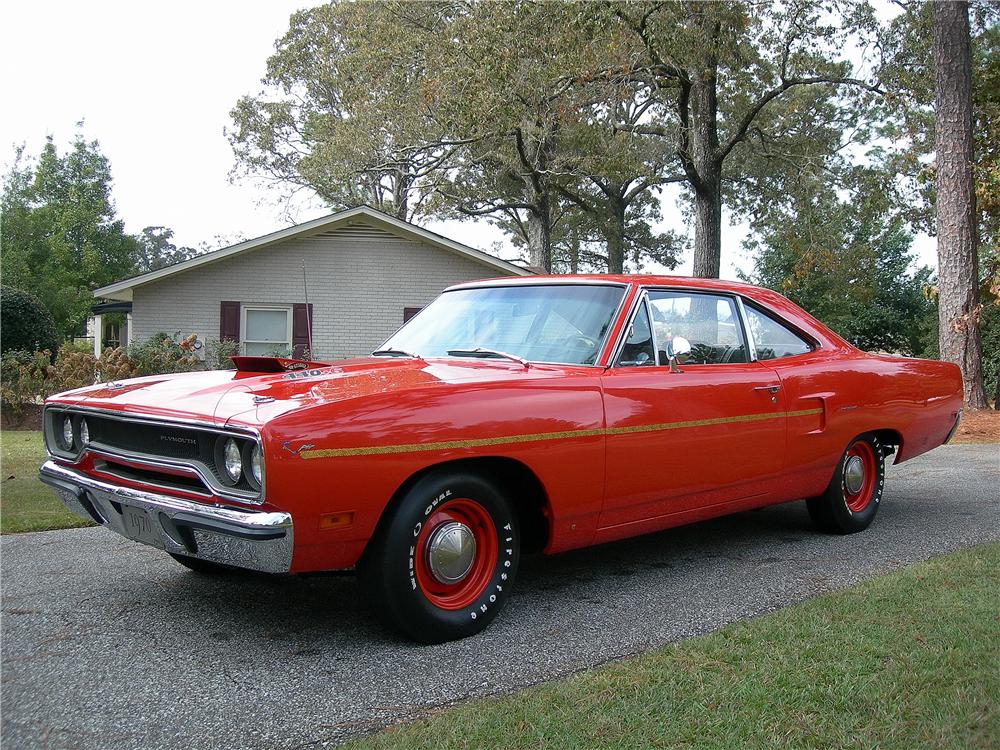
(379, 450)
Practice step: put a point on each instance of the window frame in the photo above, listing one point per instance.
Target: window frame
(642, 299)
(289, 316)
(605, 341)
(774, 317)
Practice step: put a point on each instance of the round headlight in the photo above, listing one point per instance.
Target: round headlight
(67, 433)
(84, 433)
(232, 462)
(257, 464)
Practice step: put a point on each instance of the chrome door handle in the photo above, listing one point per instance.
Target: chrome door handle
(772, 389)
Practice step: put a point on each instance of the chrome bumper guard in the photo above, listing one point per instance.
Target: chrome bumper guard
(256, 540)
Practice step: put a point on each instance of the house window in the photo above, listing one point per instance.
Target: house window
(267, 330)
(409, 312)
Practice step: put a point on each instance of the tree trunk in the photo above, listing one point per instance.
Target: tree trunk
(540, 233)
(708, 231)
(958, 268)
(574, 249)
(614, 234)
(704, 152)
(401, 184)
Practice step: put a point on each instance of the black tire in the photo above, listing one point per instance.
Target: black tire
(205, 567)
(839, 510)
(397, 573)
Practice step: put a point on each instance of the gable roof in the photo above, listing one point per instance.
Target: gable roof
(122, 290)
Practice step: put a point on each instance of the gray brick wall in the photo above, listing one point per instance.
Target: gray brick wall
(360, 279)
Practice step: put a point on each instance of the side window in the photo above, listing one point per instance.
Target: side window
(638, 349)
(772, 339)
(700, 329)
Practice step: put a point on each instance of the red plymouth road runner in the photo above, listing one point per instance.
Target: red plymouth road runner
(513, 415)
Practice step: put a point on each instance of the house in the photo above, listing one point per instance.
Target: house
(363, 272)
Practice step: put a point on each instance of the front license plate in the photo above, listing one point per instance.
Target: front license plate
(139, 526)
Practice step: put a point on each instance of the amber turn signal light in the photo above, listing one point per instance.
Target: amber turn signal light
(336, 520)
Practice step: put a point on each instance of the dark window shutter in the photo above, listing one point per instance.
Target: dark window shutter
(301, 328)
(409, 312)
(229, 321)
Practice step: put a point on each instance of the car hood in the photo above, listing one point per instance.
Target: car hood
(223, 396)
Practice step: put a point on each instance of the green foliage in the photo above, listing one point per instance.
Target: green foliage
(906, 113)
(848, 262)
(72, 369)
(155, 250)
(907, 660)
(560, 121)
(219, 354)
(163, 353)
(23, 380)
(60, 234)
(989, 331)
(25, 323)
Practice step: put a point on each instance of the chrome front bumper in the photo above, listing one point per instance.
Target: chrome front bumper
(255, 540)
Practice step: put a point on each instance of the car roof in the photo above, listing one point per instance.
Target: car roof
(608, 278)
(775, 302)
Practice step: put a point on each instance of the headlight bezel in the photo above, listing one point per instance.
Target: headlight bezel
(253, 458)
(207, 462)
(67, 443)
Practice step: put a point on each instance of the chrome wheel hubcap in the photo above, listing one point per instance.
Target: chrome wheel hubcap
(451, 551)
(854, 475)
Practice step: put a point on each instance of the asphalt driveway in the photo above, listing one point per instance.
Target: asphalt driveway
(108, 644)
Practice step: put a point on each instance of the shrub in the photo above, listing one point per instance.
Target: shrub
(162, 353)
(23, 379)
(25, 323)
(990, 332)
(73, 369)
(218, 354)
(114, 364)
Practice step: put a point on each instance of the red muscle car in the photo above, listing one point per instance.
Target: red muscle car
(541, 413)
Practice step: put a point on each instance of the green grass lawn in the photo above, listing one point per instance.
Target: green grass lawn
(909, 660)
(25, 503)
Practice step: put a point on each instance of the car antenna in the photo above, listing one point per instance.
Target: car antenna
(309, 333)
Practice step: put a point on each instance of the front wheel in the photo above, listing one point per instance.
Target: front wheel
(442, 565)
(851, 500)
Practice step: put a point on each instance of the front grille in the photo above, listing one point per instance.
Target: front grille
(152, 439)
(136, 449)
(151, 476)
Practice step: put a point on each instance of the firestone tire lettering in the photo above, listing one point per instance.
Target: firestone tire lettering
(392, 568)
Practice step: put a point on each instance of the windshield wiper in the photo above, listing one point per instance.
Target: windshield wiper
(394, 353)
(481, 352)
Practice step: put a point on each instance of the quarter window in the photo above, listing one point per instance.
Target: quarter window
(638, 349)
(699, 329)
(772, 339)
(267, 331)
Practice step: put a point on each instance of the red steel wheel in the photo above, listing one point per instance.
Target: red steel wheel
(443, 561)
(456, 554)
(852, 498)
(859, 476)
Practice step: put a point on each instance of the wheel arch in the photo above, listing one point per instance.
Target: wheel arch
(518, 482)
(889, 438)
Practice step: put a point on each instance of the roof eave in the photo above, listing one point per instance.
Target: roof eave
(122, 290)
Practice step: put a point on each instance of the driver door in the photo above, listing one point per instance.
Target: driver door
(707, 432)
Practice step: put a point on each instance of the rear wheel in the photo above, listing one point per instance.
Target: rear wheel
(442, 566)
(851, 500)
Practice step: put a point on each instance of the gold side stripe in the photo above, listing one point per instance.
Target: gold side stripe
(378, 450)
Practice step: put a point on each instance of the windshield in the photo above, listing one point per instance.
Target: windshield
(560, 323)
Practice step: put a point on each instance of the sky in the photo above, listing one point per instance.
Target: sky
(154, 84)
